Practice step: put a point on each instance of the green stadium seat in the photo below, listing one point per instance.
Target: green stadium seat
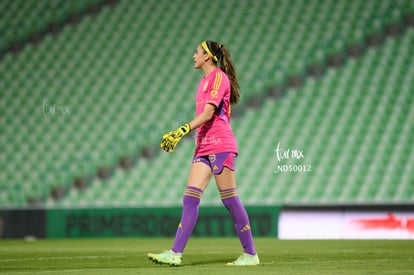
(116, 79)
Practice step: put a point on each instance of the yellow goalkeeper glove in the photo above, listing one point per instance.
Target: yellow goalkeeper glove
(171, 139)
(166, 143)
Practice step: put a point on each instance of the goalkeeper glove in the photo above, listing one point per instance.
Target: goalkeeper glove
(171, 139)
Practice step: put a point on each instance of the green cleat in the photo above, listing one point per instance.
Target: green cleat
(245, 259)
(166, 257)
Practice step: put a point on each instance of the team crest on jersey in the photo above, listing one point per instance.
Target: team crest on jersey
(205, 86)
(212, 158)
(213, 93)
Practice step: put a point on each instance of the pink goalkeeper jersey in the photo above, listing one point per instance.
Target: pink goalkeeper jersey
(216, 135)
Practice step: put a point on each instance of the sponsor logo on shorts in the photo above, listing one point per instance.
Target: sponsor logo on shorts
(212, 157)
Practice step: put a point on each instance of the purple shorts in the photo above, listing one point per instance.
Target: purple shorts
(217, 161)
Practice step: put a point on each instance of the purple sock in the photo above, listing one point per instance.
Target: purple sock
(232, 202)
(191, 201)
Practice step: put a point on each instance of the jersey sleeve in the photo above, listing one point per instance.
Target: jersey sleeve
(216, 91)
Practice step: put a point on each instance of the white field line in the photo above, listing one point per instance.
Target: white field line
(61, 258)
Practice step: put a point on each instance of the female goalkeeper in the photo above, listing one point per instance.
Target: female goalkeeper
(215, 153)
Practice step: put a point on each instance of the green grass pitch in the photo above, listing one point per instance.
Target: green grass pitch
(207, 256)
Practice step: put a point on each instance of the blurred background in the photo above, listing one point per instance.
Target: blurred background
(88, 87)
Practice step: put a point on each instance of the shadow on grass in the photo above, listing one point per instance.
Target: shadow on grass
(220, 261)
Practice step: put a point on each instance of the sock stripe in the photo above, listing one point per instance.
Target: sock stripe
(195, 196)
(191, 192)
(225, 194)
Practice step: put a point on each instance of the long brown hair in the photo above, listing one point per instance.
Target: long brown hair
(222, 55)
